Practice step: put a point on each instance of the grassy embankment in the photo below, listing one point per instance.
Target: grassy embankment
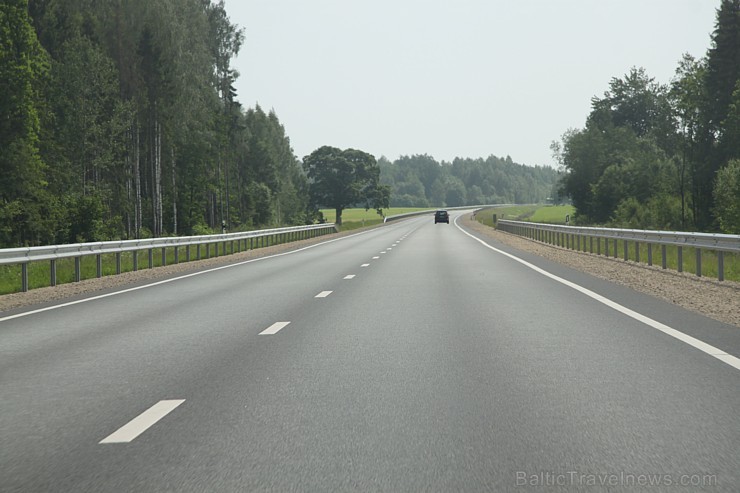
(556, 215)
(358, 218)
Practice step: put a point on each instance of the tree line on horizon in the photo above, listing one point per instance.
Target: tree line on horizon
(421, 181)
(663, 156)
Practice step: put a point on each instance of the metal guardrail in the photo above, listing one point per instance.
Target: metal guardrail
(249, 240)
(582, 239)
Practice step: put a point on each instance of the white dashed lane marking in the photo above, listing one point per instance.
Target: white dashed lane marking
(350, 276)
(376, 258)
(323, 294)
(365, 265)
(142, 422)
(274, 328)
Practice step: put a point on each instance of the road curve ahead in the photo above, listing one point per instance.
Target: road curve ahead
(410, 357)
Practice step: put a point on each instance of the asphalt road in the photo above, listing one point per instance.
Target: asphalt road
(406, 358)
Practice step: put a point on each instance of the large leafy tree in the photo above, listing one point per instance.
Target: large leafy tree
(621, 153)
(344, 178)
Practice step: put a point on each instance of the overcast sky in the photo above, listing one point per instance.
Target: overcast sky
(455, 78)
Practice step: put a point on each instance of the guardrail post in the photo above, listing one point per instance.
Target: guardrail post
(164, 256)
(151, 258)
(663, 253)
(637, 252)
(197, 252)
(721, 265)
(118, 263)
(698, 262)
(680, 259)
(177, 254)
(626, 250)
(650, 253)
(578, 239)
(24, 276)
(136, 260)
(187, 253)
(590, 244)
(78, 275)
(53, 272)
(208, 250)
(598, 246)
(616, 248)
(99, 265)
(606, 247)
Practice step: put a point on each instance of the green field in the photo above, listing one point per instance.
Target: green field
(552, 214)
(358, 218)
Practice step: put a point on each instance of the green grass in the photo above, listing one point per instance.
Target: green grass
(709, 258)
(359, 218)
(513, 213)
(357, 215)
(552, 214)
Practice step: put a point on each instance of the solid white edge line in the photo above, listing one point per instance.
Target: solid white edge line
(274, 328)
(691, 341)
(172, 279)
(323, 294)
(142, 422)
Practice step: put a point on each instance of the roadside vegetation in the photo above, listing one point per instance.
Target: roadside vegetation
(549, 214)
(357, 217)
(663, 156)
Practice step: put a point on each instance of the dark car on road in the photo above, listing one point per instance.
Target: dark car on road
(441, 217)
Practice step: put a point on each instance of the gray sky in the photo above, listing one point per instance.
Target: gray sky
(462, 78)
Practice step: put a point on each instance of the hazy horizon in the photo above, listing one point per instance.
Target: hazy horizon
(472, 78)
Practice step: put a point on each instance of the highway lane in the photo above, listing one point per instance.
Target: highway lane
(440, 365)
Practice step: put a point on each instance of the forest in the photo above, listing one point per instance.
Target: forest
(663, 156)
(123, 122)
(421, 181)
(120, 120)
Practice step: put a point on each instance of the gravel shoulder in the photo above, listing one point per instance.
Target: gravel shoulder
(717, 300)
